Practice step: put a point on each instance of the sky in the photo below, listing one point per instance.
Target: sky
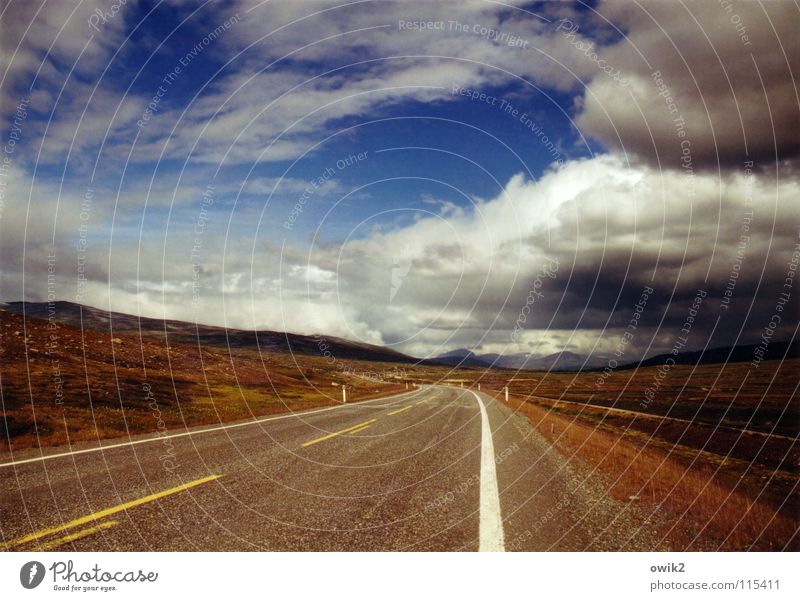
(508, 177)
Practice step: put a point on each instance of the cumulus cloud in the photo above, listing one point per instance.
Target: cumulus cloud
(611, 228)
(603, 229)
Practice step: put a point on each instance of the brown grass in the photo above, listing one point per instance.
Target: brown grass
(730, 394)
(105, 383)
(716, 488)
(734, 508)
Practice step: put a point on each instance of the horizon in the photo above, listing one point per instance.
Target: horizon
(587, 366)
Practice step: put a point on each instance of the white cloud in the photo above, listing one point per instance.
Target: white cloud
(607, 224)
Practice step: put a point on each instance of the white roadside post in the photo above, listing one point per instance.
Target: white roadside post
(462, 384)
(479, 385)
(506, 388)
(344, 394)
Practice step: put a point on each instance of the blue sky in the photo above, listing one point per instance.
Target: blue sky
(568, 150)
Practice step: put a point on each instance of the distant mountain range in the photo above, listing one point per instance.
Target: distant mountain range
(81, 316)
(563, 361)
(569, 361)
(461, 358)
(726, 354)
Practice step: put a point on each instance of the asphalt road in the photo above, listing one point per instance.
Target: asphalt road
(436, 468)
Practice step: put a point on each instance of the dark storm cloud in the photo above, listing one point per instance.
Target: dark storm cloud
(723, 72)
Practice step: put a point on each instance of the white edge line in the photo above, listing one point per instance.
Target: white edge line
(203, 431)
(491, 536)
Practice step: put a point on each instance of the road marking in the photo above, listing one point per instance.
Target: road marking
(332, 434)
(131, 443)
(81, 534)
(361, 429)
(400, 410)
(491, 521)
(106, 512)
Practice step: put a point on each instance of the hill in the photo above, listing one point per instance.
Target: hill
(744, 353)
(90, 318)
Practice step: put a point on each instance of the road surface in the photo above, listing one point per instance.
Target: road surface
(436, 468)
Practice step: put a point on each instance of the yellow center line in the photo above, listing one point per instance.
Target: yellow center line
(107, 512)
(345, 431)
(81, 534)
(395, 412)
(361, 429)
